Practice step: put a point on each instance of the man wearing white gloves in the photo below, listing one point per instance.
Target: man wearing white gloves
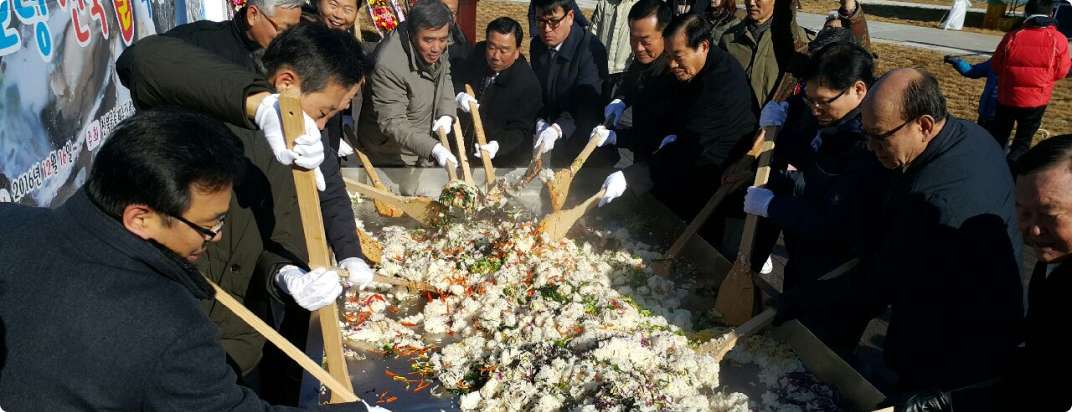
(830, 203)
(507, 88)
(571, 66)
(410, 95)
(262, 245)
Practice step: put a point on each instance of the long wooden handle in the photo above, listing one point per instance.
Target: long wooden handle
(588, 149)
(373, 192)
(446, 144)
(316, 243)
(467, 174)
(336, 387)
(716, 199)
(698, 221)
(763, 319)
(396, 281)
(365, 163)
(589, 203)
(478, 126)
(762, 175)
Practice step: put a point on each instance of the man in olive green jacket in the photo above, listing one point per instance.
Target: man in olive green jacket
(410, 94)
(769, 46)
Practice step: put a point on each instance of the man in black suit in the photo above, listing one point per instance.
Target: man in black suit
(571, 65)
(507, 86)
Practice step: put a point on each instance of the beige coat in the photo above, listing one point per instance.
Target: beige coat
(610, 24)
(404, 99)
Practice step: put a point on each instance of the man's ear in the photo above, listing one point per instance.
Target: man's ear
(927, 125)
(286, 79)
(251, 13)
(141, 220)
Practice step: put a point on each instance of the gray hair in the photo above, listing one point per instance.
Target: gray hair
(428, 14)
(268, 6)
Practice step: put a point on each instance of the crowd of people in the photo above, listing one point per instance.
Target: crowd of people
(866, 166)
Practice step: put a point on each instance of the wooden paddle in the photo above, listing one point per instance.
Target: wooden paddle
(736, 295)
(421, 286)
(422, 209)
(370, 247)
(560, 185)
(530, 173)
(720, 346)
(343, 391)
(462, 158)
(450, 165)
(316, 244)
(478, 126)
(557, 224)
(384, 209)
(662, 266)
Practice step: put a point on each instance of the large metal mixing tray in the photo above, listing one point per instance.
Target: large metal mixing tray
(647, 220)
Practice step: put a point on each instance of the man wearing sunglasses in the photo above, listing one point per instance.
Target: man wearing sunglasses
(829, 201)
(571, 65)
(946, 253)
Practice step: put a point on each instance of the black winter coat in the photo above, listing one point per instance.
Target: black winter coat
(646, 89)
(831, 202)
(508, 108)
(712, 117)
(572, 85)
(226, 39)
(264, 230)
(946, 258)
(94, 318)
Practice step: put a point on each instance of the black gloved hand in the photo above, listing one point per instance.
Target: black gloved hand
(787, 306)
(927, 400)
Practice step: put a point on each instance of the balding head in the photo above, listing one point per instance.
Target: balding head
(901, 114)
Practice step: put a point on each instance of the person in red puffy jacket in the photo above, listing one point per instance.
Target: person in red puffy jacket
(1028, 61)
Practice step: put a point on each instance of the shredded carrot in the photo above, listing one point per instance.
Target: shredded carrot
(392, 399)
(391, 374)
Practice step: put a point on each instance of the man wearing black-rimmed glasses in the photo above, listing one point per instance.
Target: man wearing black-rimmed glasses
(946, 253)
(571, 65)
(829, 201)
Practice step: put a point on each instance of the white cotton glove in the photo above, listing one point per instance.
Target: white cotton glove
(359, 272)
(442, 155)
(345, 149)
(773, 114)
(666, 140)
(374, 408)
(443, 123)
(463, 100)
(615, 187)
(492, 148)
(546, 135)
(615, 108)
(757, 200)
(604, 135)
(270, 121)
(312, 290)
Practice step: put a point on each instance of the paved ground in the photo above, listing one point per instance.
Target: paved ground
(943, 41)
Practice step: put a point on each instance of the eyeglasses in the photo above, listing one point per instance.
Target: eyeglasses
(275, 25)
(822, 104)
(886, 135)
(211, 233)
(553, 24)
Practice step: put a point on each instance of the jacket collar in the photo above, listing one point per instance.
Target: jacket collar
(103, 236)
(939, 144)
(569, 47)
(1040, 20)
(240, 30)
